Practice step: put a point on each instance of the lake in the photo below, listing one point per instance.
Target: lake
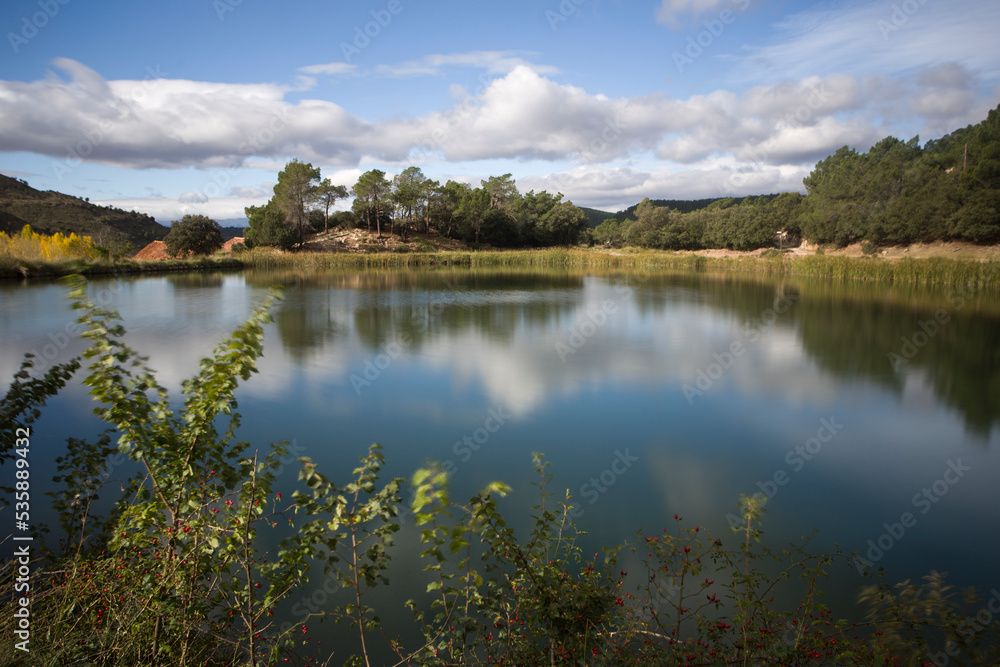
(651, 394)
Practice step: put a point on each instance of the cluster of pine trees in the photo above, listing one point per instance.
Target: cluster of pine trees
(494, 213)
(896, 193)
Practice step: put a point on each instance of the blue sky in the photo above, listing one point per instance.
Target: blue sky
(193, 106)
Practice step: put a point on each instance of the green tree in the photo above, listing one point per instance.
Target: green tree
(502, 191)
(268, 228)
(647, 230)
(326, 195)
(978, 220)
(529, 210)
(295, 191)
(499, 229)
(194, 234)
(835, 210)
(444, 204)
(685, 231)
(409, 193)
(562, 225)
(372, 190)
(609, 232)
(472, 210)
(748, 225)
(344, 220)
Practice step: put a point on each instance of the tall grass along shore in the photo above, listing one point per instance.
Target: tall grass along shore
(929, 271)
(921, 271)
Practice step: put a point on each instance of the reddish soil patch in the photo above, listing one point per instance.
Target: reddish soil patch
(228, 245)
(157, 250)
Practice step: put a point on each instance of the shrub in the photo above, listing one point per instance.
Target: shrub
(175, 572)
(195, 235)
(268, 227)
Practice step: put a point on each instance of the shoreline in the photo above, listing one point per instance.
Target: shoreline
(937, 263)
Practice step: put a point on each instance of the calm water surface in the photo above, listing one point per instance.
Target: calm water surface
(650, 394)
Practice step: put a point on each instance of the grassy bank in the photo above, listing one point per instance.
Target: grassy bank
(19, 269)
(926, 271)
(916, 271)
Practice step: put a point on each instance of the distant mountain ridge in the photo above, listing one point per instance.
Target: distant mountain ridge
(52, 212)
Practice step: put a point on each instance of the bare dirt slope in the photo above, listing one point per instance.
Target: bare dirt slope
(155, 251)
(359, 240)
(948, 250)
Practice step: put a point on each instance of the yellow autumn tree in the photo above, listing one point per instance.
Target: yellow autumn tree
(30, 245)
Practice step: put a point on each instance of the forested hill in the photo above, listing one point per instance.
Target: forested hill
(686, 205)
(51, 212)
(597, 216)
(896, 193)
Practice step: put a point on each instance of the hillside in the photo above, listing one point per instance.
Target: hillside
(595, 216)
(50, 212)
(229, 233)
(685, 205)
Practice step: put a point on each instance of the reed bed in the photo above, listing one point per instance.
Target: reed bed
(16, 268)
(922, 271)
(908, 271)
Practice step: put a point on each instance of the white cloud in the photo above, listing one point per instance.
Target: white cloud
(494, 62)
(168, 123)
(616, 188)
(345, 177)
(165, 210)
(245, 192)
(872, 37)
(944, 97)
(331, 69)
(722, 142)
